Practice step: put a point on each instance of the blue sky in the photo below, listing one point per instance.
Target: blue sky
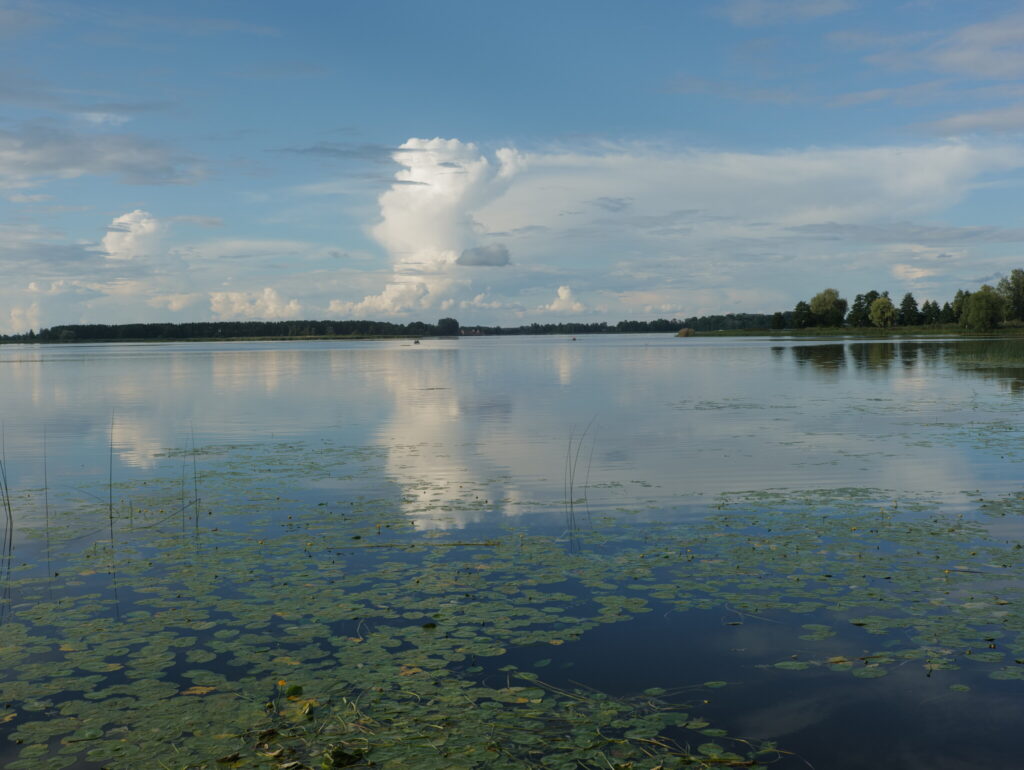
(501, 163)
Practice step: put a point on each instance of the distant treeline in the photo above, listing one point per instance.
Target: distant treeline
(709, 323)
(213, 330)
(234, 330)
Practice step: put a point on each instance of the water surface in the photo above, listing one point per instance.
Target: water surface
(853, 458)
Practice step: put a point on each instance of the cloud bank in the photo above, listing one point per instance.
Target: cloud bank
(663, 229)
(258, 305)
(35, 154)
(627, 230)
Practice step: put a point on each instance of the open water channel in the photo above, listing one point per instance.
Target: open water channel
(624, 551)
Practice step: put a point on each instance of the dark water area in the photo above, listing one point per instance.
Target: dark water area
(810, 550)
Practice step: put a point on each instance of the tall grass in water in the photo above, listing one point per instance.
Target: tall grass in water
(7, 553)
(110, 519)
(46, 519)
(572, 459)
(195, 478)
(7, 523)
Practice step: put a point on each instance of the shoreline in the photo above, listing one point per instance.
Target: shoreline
(166, 340)
(917, 332)
(899, 332)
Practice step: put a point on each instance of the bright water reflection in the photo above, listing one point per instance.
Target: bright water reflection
(667, 421)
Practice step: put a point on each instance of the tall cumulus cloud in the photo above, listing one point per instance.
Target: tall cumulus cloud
(427, 224)
(131, 235)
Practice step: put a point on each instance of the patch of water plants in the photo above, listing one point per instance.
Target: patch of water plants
(252, 623)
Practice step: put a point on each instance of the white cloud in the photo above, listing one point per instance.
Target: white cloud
(22, 319)
(175, 302)
(564, 302)
(911, 273)
(113, 286)
(427, 221)
(55, 287)
(17, 237)
(131, 236)
(123, 288)
(23, 198)
(991, 49)
(265, 304)
(754, 12)
(104, 118)
(426, 225)
(35, 154)
(395, 297)
(651, 301)
(480, 301)
(1001, 119)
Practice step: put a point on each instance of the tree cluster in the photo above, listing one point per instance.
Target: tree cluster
(980, 310)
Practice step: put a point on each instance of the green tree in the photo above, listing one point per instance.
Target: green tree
(959, 302)
(946, 315)
(930, 312)
(828, 308)
(778, 321)
(802, 315)
(883, 313)
(1011, 289)
(909, 314)
(448, 327)
(983, 310)
(859, 312)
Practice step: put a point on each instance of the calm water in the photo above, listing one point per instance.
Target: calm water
(467, 436)
(669, 420)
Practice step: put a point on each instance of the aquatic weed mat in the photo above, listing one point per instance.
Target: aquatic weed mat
(259, 627)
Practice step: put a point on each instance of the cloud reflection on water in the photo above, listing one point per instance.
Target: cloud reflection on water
(460, 422)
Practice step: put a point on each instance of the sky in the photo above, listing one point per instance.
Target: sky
(577, 160)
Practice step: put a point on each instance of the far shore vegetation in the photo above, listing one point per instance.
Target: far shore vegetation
(989, 309)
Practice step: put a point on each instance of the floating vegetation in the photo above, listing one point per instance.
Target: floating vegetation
(279, 629)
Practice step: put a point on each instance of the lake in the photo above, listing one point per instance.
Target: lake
(619, 551)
